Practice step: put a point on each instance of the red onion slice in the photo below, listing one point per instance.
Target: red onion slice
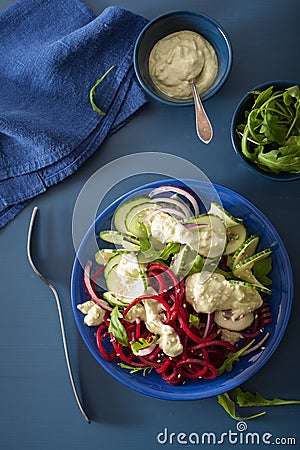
(147, 350)
(178, 190)
(91, 292)
(209, 323)
(195, 225)
(257, 346)
(174, 202)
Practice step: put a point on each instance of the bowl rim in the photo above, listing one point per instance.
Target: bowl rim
(188, 13)
(229, 382)
(286, 177)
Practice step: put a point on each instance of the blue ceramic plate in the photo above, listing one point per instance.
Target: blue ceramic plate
(280, 300)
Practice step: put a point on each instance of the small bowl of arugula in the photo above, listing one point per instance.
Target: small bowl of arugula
(265, 130)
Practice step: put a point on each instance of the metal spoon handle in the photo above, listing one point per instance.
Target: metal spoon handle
(203, 125)
(58, 304)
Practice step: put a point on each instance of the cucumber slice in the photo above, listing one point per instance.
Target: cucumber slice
(122, 211)
(256, 285)
(247, 264)
(211, 246)
(113, 262)
(113, 300)
(246, 250)
(105, 254)
(117, 238)
(224, 215)
(236, 235)
(181, 262)
(125, 277)
(224, 320)
(126, 287)
(201, 219)
(243, 270)
(137, 214)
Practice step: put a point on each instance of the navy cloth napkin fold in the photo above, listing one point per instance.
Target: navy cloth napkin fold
(51, 53)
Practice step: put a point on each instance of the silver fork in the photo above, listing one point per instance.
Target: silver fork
(58, 304)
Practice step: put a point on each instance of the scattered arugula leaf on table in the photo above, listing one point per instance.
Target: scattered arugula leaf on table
(249, 399)
(93, 92)
(230, 407)
(237, 397)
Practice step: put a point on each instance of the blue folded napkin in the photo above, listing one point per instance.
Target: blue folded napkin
(51, 53)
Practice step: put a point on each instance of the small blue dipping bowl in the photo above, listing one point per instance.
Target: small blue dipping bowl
(245, 104)
(169, 23)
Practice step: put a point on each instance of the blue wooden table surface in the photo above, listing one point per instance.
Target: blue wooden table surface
(37, 408)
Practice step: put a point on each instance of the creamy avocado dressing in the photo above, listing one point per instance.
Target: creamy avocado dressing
(180, 57)
(129, 274)
(204, 240)
(168, 340)
(216, 293)
(94, 314)
(165, 228)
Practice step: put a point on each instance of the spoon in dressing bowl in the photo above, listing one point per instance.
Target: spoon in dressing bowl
(203, 125)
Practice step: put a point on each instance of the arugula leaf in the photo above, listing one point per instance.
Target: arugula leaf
(93, 91)
(249, 399)
(230, 407)
(293, 91)
(170, 249)
(232, 357)
(142, 343)
(149, 251)
(116, 327)
(261, 270)
(194, 320)
(284, 159)
(262, 96)
(229, 401)
(195, 266)
(226, 273)
(272, 128)
(136, 369)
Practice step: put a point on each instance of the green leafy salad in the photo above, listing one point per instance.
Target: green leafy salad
(270, 133)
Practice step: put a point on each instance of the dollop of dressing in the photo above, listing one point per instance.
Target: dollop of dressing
(166, 228)
(168, 340)
(129, 278)
(216, 293)
(180, 57)
(205, 240)
(94, 314)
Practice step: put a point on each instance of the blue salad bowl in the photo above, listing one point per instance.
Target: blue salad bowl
(280, 300)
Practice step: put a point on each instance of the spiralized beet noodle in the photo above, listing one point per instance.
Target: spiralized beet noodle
(204, 351)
